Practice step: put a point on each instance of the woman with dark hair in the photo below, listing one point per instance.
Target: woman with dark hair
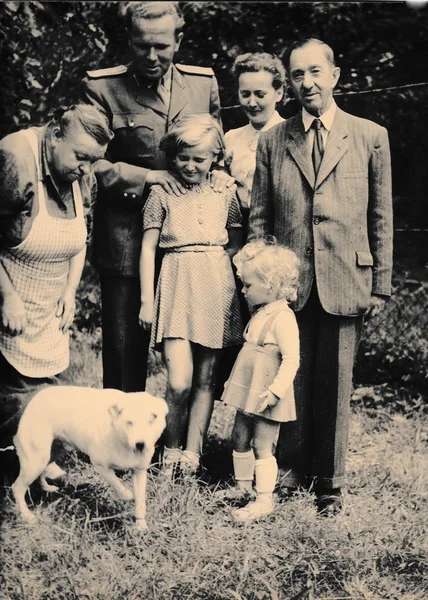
(47, 185)
(261, 83)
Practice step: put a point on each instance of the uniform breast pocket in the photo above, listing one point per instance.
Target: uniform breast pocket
(133, 138)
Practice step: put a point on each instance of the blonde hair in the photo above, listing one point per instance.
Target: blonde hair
(190, 131)
(273, 264)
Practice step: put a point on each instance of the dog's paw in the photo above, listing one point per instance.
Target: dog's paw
(29, 517)
(141, 524)
(49, 488)
(125, 494)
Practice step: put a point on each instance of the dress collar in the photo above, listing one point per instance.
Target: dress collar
(326, 118)
(274, 120)
(270, 308)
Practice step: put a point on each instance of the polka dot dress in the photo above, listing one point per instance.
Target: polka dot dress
(196, 296)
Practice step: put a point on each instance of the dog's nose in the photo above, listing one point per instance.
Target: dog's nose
(139, 446)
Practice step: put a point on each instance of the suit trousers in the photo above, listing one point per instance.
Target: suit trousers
(125, 343)
(312, 449)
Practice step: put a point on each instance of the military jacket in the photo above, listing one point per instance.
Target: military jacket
(139, 119)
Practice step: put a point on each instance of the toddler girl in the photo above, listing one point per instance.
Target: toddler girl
(261, 382)
(196, 310)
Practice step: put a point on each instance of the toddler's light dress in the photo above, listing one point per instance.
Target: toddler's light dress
(268, 360)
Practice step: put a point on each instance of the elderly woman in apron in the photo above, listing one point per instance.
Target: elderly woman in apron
(47, 186)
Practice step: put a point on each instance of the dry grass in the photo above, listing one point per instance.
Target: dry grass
(84, 545)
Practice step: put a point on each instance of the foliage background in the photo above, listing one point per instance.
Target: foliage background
(47, 46)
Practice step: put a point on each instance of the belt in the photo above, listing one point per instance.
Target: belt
(195, 248)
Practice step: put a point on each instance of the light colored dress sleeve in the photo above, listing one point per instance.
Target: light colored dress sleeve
(286, 333)
(234, 216)
(154, 210)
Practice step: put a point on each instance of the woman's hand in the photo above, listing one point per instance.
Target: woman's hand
(145, 317)
(167, 180)
(13, 316)
(66, 308)
(268, 399)
(220, 180)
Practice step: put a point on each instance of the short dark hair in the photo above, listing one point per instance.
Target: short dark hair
(328, 51)
(90, 118)
(135, 11)
(260, 61)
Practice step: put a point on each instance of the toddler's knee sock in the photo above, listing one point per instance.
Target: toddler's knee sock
(266, 474)
(243, 467)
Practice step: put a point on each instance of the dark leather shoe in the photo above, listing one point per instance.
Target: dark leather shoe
(329, 503)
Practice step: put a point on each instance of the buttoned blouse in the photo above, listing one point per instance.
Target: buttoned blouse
(241, 146)
(198, 217)
(19, 193)
(285, 334)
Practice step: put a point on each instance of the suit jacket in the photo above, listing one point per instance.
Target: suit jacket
(340, 225)
(139, 120)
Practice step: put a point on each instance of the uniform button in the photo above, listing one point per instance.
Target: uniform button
(134, 195)
(125, 194)
(309, 250)
(316, 220)
(131, 123)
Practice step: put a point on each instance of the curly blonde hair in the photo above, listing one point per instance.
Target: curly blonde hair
(274, 265)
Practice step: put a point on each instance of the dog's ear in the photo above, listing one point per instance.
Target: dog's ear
(115, 411)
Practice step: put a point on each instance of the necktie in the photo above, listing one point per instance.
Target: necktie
(318, 149)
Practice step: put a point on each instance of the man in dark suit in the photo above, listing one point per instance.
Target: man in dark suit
(323, 187)
(143, 100)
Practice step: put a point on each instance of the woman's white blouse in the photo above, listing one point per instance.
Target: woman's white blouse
(241, 146)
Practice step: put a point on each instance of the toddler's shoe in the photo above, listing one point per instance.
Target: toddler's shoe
(234, 494)
(260, 508)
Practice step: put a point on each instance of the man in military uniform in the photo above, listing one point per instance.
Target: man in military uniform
(143, 100)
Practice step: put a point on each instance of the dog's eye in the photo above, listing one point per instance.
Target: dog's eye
(153, 417)
(129, 423)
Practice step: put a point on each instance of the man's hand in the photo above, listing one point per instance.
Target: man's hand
(66, 308)
(376, 305)
(268, 399)
(145, 317)
(167, 180)
(13, 317)
(220, 180)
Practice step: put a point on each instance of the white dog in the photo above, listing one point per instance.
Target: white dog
(116, 430)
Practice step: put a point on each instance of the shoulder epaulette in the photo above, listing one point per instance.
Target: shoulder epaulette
(196, 70)
(109, 72)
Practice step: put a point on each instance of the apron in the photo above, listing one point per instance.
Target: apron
(38, 269)
(253, 372)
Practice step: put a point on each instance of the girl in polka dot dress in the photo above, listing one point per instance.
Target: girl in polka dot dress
(195, 311)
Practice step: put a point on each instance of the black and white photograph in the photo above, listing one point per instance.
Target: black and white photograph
(213, 300)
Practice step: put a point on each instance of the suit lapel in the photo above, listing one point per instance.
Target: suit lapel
(336, 147)
(298, 148)
(179, 97)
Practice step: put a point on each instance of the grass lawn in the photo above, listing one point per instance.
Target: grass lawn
(84, 545)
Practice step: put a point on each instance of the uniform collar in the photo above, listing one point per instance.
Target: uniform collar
(165, 80)
(326, 118)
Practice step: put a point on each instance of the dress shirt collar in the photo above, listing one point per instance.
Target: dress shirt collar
(326, 118)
